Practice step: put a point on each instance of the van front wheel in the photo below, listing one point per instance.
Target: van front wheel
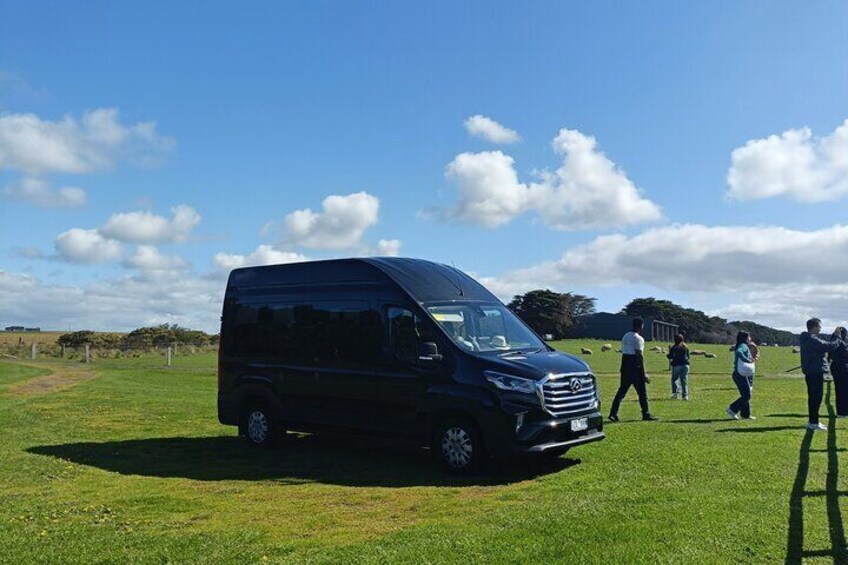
(458, 446)
(258, 426)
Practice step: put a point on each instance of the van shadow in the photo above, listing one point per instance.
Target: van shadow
(299, 459)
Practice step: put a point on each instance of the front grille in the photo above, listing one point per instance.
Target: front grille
(558, 398)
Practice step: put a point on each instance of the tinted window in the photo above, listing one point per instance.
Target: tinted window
(406, 333)
(330, 333)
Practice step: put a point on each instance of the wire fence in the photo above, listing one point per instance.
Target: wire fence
(88, 353)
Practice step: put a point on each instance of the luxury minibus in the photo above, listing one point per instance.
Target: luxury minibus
(401, 347)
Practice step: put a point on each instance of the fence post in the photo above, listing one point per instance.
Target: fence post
(87, 353)
(32, 351)
(169, 356)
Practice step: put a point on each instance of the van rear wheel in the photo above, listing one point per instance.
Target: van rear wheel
(458, 446)
(258, 426)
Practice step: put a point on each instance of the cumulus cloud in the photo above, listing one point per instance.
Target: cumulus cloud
(490, 130)
(148, 258)
(262, 255)
(341, 223)
(388, 247)
(86, 246)
(795, 164)
(38, 192)
(96, 141)
(144, 299)
(588, 191)
(698, 258)
(148, 228)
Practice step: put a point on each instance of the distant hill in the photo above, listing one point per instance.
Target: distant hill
(699, 327)
(764, 334)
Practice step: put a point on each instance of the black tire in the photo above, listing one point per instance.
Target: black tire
(458, 446)
(258, 426)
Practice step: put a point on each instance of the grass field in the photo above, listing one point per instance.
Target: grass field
(41, 338)
(124, 461)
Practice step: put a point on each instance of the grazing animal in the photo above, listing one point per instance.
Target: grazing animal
(710, 355)
(796, 349)
(698, 352)
(606, 347)
(585, 351)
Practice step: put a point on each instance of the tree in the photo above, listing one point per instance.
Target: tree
(549, 312)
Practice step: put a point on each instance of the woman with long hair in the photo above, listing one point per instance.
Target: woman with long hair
(678, 355)
(743, 377)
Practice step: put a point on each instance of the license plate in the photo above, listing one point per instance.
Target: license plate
(579, 424)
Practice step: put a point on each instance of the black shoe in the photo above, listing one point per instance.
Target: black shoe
(612, 418)
(649, 418)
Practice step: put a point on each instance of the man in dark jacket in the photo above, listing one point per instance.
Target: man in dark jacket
(814, 350)
(839, 370)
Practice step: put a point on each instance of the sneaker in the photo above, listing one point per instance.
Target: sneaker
(750, 418)
(731, 414)
(612, 418)
(817, 427)
(686, 398)
(649, 418)
(674, 396)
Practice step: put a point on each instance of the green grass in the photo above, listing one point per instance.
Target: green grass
(132, 466)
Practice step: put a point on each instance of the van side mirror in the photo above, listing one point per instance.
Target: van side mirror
(428, 353)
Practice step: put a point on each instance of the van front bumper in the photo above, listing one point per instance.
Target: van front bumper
(555, 436)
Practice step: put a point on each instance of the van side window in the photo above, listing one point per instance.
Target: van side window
(340, 333)
(406, 334)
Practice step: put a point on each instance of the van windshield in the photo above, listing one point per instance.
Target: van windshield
(485, 327)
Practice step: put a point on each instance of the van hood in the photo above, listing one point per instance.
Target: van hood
(537, 365)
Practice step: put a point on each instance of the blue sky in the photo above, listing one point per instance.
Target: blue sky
(114, 114)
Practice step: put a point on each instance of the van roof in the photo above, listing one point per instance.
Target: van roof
(424, 280)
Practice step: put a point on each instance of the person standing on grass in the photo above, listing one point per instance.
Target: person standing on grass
(743, 377)
(633, 371)
(814, 365)
(678, 356)
(839, 370)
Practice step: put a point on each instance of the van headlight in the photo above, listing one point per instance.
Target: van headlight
(510, 383)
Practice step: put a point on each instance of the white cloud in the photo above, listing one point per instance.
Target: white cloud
(341, 223)
(38, 192)
(86, 246)
(148, 258)
(694, 257)
(490, 130)
(96, 141)
(145, 299)
(794, 164)
(489, 191)
(588, 191)
(147, 228)
(262, 255)
(388, 247)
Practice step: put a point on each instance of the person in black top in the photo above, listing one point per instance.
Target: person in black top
(839, 370)
(678, 355)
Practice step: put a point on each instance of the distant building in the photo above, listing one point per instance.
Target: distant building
(32, 329)
(604, 325)
(15, 328)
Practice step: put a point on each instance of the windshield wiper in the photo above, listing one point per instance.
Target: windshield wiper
(519, 352)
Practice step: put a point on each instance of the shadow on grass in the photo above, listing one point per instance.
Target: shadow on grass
(746, 430)
(838, 549)
(299, 459)
(701, 421)
(804, 416)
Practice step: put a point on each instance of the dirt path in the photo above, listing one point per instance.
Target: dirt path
(60, 379)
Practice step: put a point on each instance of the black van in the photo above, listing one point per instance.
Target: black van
(396, 346)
